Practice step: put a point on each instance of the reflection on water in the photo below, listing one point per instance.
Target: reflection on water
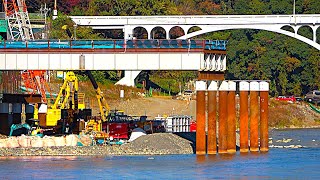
(201, 159)
(275, 164)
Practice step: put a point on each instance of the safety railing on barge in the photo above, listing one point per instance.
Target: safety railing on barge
(115, 44)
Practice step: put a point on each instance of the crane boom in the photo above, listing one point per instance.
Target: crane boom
(69, 92)
(103, 105)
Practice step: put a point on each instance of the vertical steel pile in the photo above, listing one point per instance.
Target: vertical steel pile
(264, 134)
(10, 82)
(253, 116)
(212, 118)
(201, 87)
(222, 137)
(231, 121)
(244, 116)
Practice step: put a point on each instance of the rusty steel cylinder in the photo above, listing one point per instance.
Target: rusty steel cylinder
(231, 119)
(254, 116)
(223, 94)
(212, 114)
(264, 134)
(244, 116)
(201, 87)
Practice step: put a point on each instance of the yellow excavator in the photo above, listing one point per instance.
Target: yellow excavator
(68, 107)
(67, 100)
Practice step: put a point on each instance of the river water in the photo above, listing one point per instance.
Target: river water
(278, 163)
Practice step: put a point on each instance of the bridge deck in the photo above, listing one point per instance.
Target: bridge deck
(114, 45)
(110, 54)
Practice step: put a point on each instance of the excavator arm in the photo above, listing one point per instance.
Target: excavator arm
(70, 88)
(103, 105)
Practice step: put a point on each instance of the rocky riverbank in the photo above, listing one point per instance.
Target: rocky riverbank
(154, 144)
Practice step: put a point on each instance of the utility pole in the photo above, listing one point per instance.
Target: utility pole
(55, 11)
(294, 7)
(294, 11)
(44, 11)
(75, 31)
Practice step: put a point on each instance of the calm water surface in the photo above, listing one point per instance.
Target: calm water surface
(276, 164)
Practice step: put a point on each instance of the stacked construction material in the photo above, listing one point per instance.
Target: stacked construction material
(46, 141)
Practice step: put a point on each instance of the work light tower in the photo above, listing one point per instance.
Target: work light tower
(16, 14)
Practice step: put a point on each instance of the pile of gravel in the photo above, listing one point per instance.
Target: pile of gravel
(154, 144)
(159, 143)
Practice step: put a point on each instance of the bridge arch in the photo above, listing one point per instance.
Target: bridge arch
(158, 32)
(288, 28)
(307, 30)
(176, 32)
(277, 30)
(194, 29)
(140, 32)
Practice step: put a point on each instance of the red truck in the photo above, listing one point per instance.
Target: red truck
(286, 98)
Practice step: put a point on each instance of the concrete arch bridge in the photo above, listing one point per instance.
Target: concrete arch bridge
(211, 23)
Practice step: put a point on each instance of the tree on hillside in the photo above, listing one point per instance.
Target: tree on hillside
(57, 32)
(131, 7)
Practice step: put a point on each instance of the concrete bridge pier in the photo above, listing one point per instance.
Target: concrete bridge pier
(128, 79)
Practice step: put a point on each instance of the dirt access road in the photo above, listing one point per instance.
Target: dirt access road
(281, 114)
(155, 106)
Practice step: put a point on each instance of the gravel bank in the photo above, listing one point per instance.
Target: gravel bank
(154, 144)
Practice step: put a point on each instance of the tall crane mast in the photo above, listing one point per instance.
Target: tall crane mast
(16, 14)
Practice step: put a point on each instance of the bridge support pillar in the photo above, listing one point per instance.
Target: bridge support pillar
(226, 122)
(128, 32)
(128, 79)
(212, 118)
(244, 118)
(314, 30)
(231, 119)
(223, 94)
(201, 87)
(254, 117)
(264, 134)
